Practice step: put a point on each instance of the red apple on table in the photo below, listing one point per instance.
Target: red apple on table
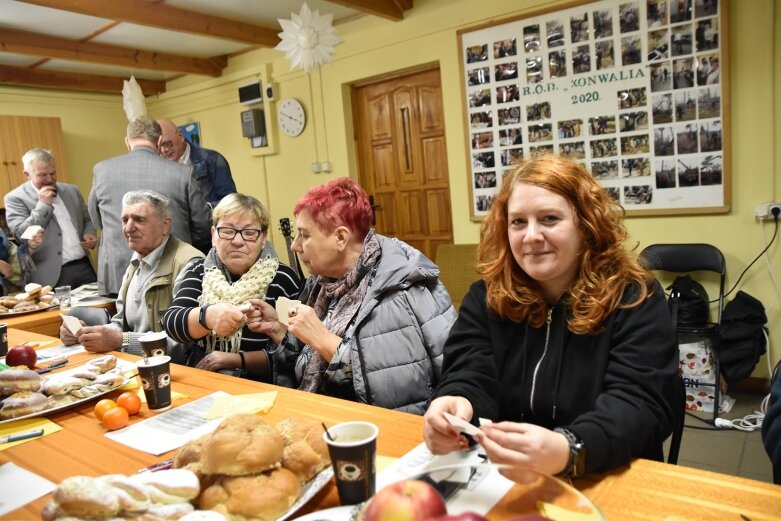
(409, 500)
(21, 355)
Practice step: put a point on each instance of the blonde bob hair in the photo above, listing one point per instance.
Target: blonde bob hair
(605, 266)
(244, 205)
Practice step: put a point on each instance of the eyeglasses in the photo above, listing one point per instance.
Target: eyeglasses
(248, 234)
(166, 145)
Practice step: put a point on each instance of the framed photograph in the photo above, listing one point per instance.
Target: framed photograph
(192, 132)
(635, 90)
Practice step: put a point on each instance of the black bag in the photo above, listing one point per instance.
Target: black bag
(743, 337)
(688, 303)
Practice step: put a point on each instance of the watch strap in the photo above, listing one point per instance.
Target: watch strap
(202, 316)
(576, 464)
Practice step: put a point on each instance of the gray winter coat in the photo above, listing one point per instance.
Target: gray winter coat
(396, 338)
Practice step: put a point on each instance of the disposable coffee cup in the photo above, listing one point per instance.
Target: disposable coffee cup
(155, 373)
(353, 451)
(154, 344)
(3, 339)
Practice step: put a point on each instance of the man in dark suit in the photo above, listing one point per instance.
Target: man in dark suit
(63, 257)
(143, 168)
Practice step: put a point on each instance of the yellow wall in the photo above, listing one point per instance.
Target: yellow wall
(375, 47)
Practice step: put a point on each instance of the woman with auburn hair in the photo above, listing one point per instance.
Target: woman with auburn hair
(566, 342)
(373, 316)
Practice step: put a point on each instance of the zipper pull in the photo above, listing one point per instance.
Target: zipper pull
(549, 319)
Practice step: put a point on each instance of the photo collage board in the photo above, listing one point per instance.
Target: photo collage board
(632, 89)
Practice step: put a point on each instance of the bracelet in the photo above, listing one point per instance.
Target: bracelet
(202, 316)
(125, 342)
(576, 464)
(243, 369)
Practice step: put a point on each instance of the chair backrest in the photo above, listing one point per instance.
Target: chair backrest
(685, 258)
(457, 269)
(92, 316)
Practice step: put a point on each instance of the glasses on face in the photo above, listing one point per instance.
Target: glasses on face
(166, 145)
(248, 234)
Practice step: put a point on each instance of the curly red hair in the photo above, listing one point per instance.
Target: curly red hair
(341, 202)
(605, 265)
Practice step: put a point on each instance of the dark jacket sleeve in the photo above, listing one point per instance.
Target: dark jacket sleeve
(771, 426)
(633, 414)
(469, 367)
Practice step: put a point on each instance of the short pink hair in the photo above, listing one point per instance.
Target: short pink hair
(341, 202)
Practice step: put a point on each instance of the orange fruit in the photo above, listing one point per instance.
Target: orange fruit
(130, 402)
(102, 406)
(115, 418)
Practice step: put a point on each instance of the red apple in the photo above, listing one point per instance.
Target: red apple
(21, 355)
(464, 516)
(409, 500)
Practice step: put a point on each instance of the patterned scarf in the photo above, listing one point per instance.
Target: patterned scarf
(348, 292)
(218, 287)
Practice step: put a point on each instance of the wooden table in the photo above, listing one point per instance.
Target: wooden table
(644, 490)
(45, 322)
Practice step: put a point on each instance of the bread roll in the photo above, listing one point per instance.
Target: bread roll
(203, 515)
(305, 452)
(131, 493)
(104, 363)
(243, 444)
(82, 496)
(62, 384)
(8, 302)
(33, 288)
(19, 378)
(22, 404)
(262, 497)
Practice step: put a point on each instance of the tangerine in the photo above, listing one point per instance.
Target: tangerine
(130, 402)
(102, 406)
(115, 418)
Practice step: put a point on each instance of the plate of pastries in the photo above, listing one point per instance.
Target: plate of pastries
(245, 469)
(26, 394)
(34, 298)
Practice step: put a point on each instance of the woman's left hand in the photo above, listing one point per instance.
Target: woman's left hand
(214, 361)
(525, 444)
(309, 329)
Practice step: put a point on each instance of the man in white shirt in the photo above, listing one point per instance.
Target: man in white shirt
(148, 285)
(58, 208)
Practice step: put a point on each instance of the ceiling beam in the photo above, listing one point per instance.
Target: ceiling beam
(34, 44)
(72, 81)
(390, 9)
(162, 16)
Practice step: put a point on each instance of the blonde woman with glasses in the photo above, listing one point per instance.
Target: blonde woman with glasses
(213, 308)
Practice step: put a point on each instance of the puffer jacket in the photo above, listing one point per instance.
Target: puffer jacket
(396, 338)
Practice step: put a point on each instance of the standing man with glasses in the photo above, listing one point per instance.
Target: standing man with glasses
(211, 169)
(216, 307)
(143, 168)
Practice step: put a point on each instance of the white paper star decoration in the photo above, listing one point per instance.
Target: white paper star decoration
(308, 40)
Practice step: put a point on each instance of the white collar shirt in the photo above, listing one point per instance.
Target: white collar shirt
(134, 304)
(71, 249)
(185, 159)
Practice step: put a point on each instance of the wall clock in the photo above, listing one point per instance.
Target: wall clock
(291, 117)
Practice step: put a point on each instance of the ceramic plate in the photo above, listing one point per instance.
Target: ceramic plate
(464, 486)
(11, 313)
(332, 514)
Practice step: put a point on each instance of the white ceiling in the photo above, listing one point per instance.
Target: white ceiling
(24, 16)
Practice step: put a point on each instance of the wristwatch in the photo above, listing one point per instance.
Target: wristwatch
(202, 316)
(576, 465)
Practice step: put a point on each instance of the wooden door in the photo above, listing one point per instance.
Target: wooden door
(18, 134)
(402, 156)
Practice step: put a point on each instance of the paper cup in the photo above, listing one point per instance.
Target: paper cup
(154, 344)
(155, 373)
(353, 453)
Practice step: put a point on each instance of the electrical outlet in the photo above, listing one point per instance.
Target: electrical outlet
(774, 210)
(765, 210)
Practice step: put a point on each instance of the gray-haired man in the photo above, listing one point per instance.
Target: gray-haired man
(148, 285)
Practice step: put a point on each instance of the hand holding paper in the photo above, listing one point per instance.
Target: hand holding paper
(283, 305)
(30, 232)
(72, 323)
(461, 424)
